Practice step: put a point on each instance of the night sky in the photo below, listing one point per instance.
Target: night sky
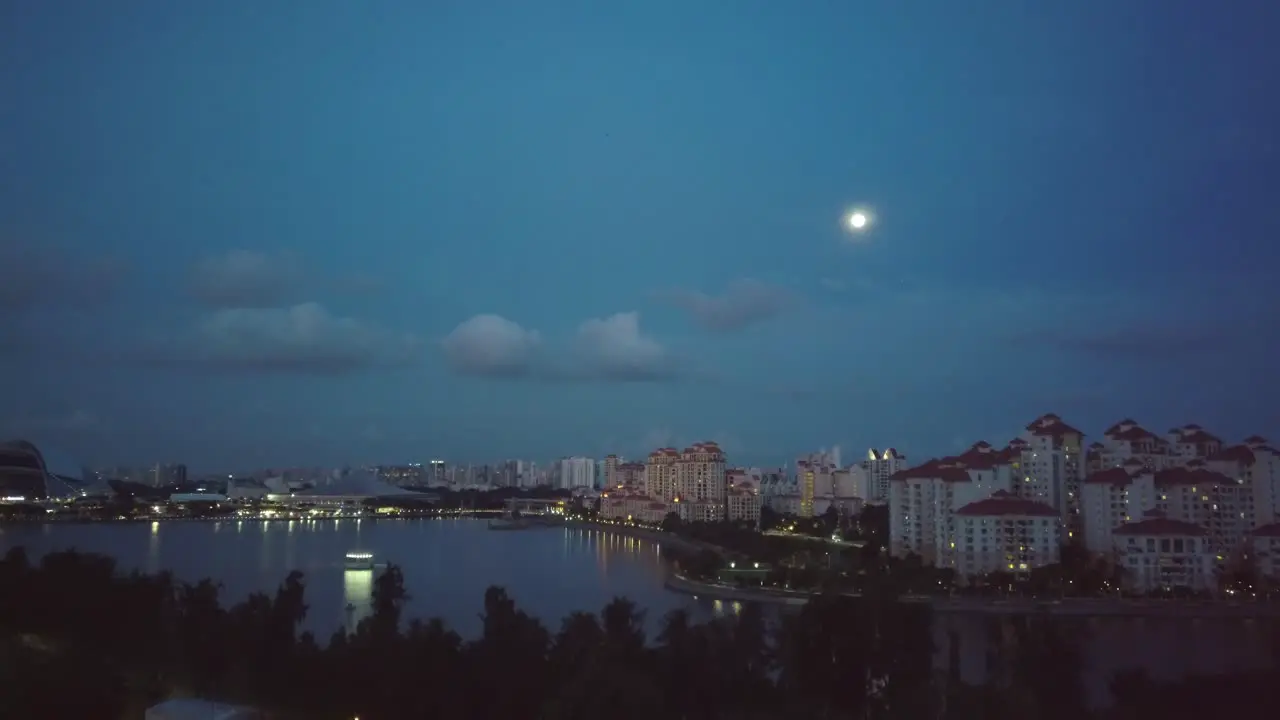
(250, 233)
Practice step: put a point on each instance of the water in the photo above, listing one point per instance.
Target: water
(447, 564)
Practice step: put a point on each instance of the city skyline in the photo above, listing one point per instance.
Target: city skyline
(253, 236)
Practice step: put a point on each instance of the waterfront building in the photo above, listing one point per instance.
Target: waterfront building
(1264, 551)
(1160, 553)
(1004, 533)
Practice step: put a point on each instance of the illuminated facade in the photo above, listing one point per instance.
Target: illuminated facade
(879, 467)
(660, 474)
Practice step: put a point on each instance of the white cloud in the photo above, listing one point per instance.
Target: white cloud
(491, 345)
(614, 348)
(744, 303)
(610, 349)
(302, 338)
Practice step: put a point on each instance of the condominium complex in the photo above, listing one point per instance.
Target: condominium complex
(693, 483)
(1163, 507)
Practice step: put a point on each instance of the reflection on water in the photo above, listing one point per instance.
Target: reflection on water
(447, 564)
(153, 548)
(357, 594)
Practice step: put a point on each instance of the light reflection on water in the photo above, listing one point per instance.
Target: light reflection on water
(357, 596)
(447, 563)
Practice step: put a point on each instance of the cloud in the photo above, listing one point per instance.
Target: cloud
(611, 349)
(34, 278)
(744, 303)
(491, 345)
(303, 338)
(246, 279)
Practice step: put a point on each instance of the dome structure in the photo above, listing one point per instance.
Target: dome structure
(22, 472)
(33, 473)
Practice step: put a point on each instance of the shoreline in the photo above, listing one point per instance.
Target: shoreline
(947, 605)
(678, 583)
(641, 533)
(1079, 607)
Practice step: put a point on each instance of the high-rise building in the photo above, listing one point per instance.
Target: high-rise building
(577, 472)
(1051, 465)
(700, 473)
(881, 466)
(660, 474)
(167, 474)
(611, 463)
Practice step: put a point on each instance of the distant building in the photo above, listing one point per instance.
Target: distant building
(879, 466)
(22, 473)
(163, 474)
(1159, 553)
(577, 472)
(1003, 533)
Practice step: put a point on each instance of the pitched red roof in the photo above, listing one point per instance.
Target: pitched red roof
(1004, 503)
(1135, 433)
(1197, 437)
(1050, 425)
(1241, 454)
(1119, 426)
(1255, 440)
(1186, 476)
(1159, 526)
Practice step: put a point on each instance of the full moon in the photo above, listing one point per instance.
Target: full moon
(858, 220)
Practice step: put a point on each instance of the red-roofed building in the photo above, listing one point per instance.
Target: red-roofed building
(1006, 533)
(923, 502)
(1218, 504)
(1264, 547)
(1050, 466)
(744, 499)
(1159, 552)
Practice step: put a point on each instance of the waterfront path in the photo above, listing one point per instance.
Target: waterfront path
(1084, 607)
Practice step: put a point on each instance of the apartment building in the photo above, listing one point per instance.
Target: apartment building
(879, 467)
(923, 500)
(1004, 533)
(1049, 463)
(1264, 550)
(660, 474)
(1158, 553)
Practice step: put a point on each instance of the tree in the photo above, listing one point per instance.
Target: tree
(389, 597)
(769, 518)
(671, 522)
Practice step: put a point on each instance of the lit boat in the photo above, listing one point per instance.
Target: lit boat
(359, 560)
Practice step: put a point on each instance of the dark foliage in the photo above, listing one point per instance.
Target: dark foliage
(78, 639)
